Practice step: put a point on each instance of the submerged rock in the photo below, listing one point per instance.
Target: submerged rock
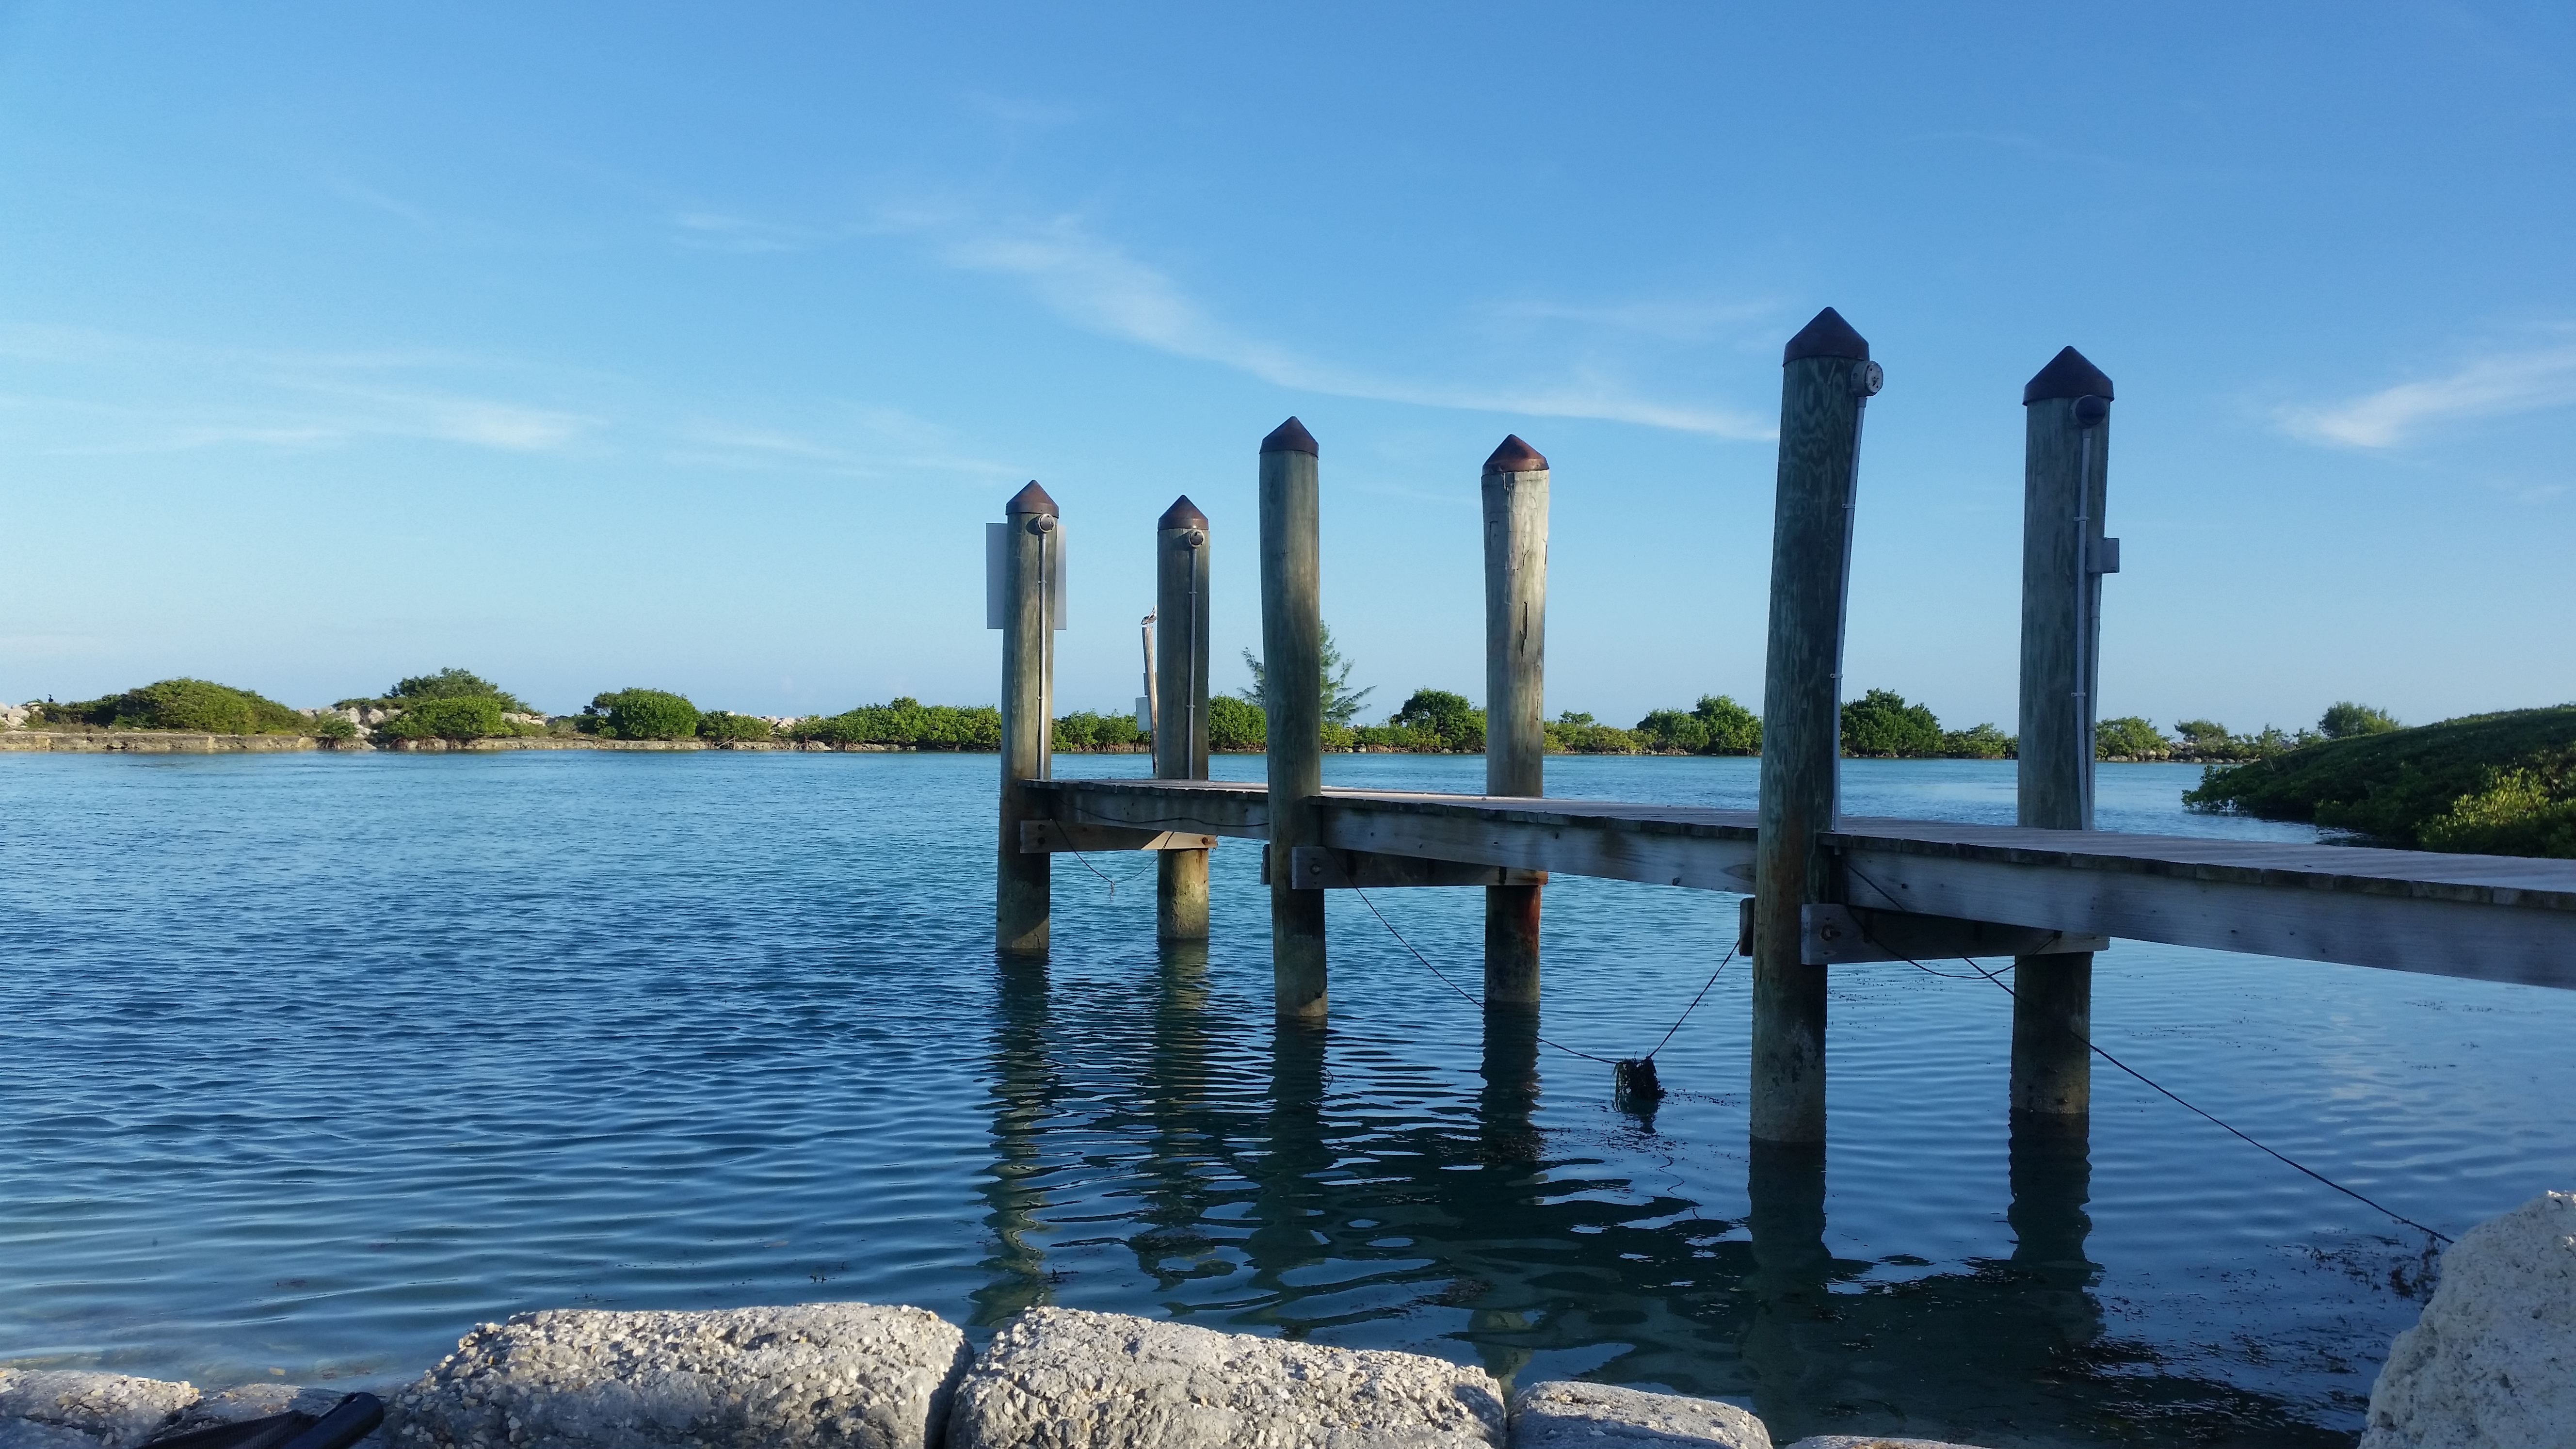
(75, 1409)
(1062, 1378)
(810, 1376)
(2492, 1363)
(1563, 1415)
(1872, 1441)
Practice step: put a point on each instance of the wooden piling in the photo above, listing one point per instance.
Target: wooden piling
(2066, 457)
(1030, 555)
(1292, 699)
(1826, 377)
(1180, 705)
(1514, 490)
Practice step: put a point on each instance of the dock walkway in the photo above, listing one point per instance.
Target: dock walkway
(2497, 918)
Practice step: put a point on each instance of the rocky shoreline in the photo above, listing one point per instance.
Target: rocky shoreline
(2491, 1363)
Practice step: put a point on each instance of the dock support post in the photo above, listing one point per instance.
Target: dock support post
(1514, 492)
(1292, 691)
(1029, 564)
(2066, 417)
(1181, 700)
(1826, 378)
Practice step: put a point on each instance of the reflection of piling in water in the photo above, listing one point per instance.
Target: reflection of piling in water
(1173, 1246)
(1790, 1345)
(2052, 1180)
(1290, 1197)
(1024, 1094)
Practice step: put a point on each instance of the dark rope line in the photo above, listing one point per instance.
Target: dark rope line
(1472, 1001)
(1995, 978)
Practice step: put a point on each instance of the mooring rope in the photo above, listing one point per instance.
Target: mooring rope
(1995, 978)
(1569, 1051)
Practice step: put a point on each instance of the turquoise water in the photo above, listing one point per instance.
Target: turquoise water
(309, 1063)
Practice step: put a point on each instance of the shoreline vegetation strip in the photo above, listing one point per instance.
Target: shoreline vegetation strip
(2495, 784)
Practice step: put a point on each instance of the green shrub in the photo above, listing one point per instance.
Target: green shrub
(1716, 726)
(1979, 742)
(1083, 730)
(724, 725)
(185, 704)
(458, 717)
(2129, 738)
(1881, 724)
(908, 721)
(454, 683)
(2346, 720)
(330, 724)
(1436, 719)
(2501, 783)
(1236, 724)
(644, 714)
(1579, 734)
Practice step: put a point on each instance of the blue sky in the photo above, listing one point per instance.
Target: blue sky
(691, 346)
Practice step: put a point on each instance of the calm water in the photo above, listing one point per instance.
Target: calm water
(309, 1063)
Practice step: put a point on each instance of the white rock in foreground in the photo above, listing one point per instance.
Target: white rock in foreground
(2492, 1363)
(1563, 1415)
(811, 1376)
(49, 1407)
(1062, 1378)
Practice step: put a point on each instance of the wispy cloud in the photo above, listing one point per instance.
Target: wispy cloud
(1097, 284)
(215, 397)
(2517, 382)
(716, 232)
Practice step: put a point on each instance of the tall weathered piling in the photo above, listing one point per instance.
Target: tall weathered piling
(1826, 377)
(1028, 562)
(1514, 490)
(2066, 413)
(1180, 705)
(1292, 688)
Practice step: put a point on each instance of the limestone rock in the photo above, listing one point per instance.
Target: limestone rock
(1565, 1415)
(811, 1376)
(1061, 1378)
(111, 1410)
(2492, 1362)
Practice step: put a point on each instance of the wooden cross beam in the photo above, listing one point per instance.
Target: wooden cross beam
(1048, 837)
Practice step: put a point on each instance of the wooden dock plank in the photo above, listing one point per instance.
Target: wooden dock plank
(2498, 918)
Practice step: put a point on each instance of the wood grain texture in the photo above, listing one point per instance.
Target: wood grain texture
(2065, 491)
(1293, 675)
(1022, 882)
(1515, 516)
(1181, 575)
(1801, 739)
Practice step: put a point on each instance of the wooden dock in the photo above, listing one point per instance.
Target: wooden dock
(2493, 918)
(1823, 889)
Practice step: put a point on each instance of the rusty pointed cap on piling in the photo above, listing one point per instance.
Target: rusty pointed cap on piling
(1031, 499)
(1515, 456)
(1826, 336)
(2068, 374)
(1290, 437)
(1182, 514)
